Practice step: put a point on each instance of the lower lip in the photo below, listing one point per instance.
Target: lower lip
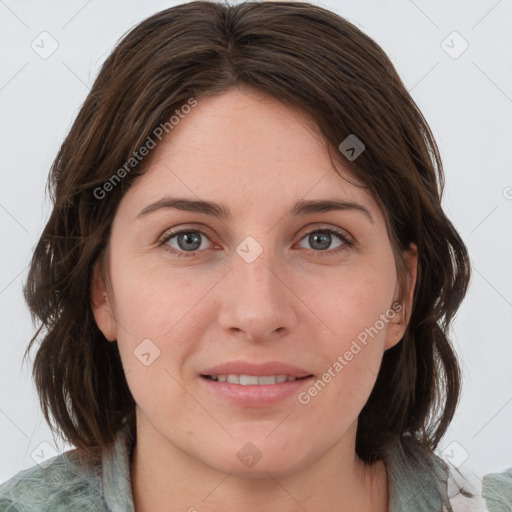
(257, 396)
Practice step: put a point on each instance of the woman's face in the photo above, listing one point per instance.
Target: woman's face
(264, 285)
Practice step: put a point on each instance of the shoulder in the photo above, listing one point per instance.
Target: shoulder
(417, 478)
(421, 480)
(8, 506)
(497, 491)
(69, 481)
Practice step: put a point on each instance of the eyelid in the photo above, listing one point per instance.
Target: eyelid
(308, 229)
(345, 237)
(171, 232)
(320, 226)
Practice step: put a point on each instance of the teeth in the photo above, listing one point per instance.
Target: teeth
(252, 380)
(270, 379)
(247, 380)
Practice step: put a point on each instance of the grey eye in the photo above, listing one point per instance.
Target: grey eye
(187, 241)
(321, 239)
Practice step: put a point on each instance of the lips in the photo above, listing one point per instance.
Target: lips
(254, 385)
(252, 380)
(245, 373)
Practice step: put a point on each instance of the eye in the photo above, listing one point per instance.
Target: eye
(188, 242)
(185, 242)
(321, 239)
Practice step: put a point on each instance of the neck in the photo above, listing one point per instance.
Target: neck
(165, 478)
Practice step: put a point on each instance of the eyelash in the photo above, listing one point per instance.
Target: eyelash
(347, 244)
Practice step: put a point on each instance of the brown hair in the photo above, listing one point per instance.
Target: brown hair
(312, 60)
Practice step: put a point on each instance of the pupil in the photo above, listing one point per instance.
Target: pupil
(192, 241)
(323, 238)
(189, 238)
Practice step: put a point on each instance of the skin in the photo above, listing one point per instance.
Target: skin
(295, 303)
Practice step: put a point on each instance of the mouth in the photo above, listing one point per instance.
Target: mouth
(254, 380)
(254, 384)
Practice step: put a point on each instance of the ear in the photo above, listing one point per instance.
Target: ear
(101, 304)
(399, 323)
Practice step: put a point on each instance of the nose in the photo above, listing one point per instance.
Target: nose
(257, 302)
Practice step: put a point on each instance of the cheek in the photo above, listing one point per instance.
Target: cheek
(340, 391)
(159, 328)
(152, 303)
(157, 331)
(351, 302)
(355, 310)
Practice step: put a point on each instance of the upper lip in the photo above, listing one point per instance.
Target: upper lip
(259, 369)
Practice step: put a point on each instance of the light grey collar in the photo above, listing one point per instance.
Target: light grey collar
(417, 479)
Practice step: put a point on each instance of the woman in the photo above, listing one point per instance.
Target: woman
(247, 279)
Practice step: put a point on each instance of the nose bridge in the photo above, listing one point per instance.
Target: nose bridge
(255, 270)
(254, 299)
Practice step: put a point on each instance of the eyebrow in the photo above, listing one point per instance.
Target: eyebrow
(300, 208)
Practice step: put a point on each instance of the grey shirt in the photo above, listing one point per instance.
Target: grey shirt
(418, 482)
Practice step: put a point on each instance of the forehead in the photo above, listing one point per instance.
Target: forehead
(245, 148)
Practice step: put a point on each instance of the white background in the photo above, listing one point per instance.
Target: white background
(466, 100)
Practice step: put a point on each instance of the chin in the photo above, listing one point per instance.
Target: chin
(262, 469)
(254, 460)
